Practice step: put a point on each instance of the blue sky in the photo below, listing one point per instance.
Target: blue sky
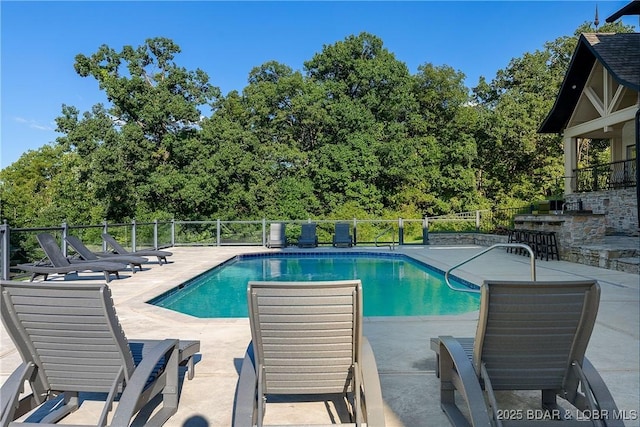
(39, 41)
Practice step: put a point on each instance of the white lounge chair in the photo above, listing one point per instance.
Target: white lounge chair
(70, 341)
(307, 340)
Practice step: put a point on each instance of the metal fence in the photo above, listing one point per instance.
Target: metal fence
(608, 176)
(19, 245)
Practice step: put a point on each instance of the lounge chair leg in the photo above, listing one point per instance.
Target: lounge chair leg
(70, 405)
(170, 393)
(548, 398)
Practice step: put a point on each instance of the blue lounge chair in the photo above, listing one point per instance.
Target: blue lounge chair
(342, 237)
(308, 237)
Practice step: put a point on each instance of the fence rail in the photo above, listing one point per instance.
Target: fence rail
(19, 245)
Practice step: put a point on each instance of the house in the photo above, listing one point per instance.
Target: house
(600, 99)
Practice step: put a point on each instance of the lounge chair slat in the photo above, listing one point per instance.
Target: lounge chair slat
(52, 327)
(96, 361)
(304, 291)
(309, 340)
(66, 319)
(318, 318)
(317, 333)
(319, 300)
(305, 309)
(324, 326)
(308, 365)
(43, 300)
(40, 334)
(303, 362)
(48, 310)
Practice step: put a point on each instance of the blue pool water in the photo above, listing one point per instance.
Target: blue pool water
(393, 285)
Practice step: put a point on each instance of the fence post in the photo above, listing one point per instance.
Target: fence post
(63, 242)
(264, 232)
(6, 247)
(105, 230)
(400, 231)
(477, 221)
(133, 235)
(218, 232)
(173, 232)
(355, 228)
(155, 234)
(425, 231)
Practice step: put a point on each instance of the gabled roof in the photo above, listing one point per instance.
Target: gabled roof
(632, 8)
(618, 53)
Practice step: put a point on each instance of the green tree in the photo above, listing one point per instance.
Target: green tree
(155, 114)
(367, 95)
(43, 188)
(446, 116)
(516, 164)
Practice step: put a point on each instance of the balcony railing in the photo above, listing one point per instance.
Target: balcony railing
(606, 176)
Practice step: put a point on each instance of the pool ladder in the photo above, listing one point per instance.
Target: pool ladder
(532, 257)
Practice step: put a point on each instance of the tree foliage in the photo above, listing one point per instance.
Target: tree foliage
(352, 133)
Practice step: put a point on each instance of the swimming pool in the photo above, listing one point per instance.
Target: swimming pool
(393, 284)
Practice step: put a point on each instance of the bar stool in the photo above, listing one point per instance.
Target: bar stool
(533, 241)
(549, 246)
(521, 237)
(553, 245)
(511, 238)
(529, 239)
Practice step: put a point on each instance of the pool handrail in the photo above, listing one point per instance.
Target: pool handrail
(393, 238)
(532, 257)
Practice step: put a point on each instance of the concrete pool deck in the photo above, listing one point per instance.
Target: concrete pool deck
(406, 364)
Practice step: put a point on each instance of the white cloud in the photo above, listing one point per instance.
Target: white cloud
(33, 124)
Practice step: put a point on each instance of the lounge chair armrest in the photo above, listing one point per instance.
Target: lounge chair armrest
(371, 386)
(128, 404)
(456, 370)
(601, 393)
(10, 392)
(245, 399)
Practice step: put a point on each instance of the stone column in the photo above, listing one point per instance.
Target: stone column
(570, 163)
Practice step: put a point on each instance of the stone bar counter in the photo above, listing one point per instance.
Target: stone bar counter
(571, 228)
